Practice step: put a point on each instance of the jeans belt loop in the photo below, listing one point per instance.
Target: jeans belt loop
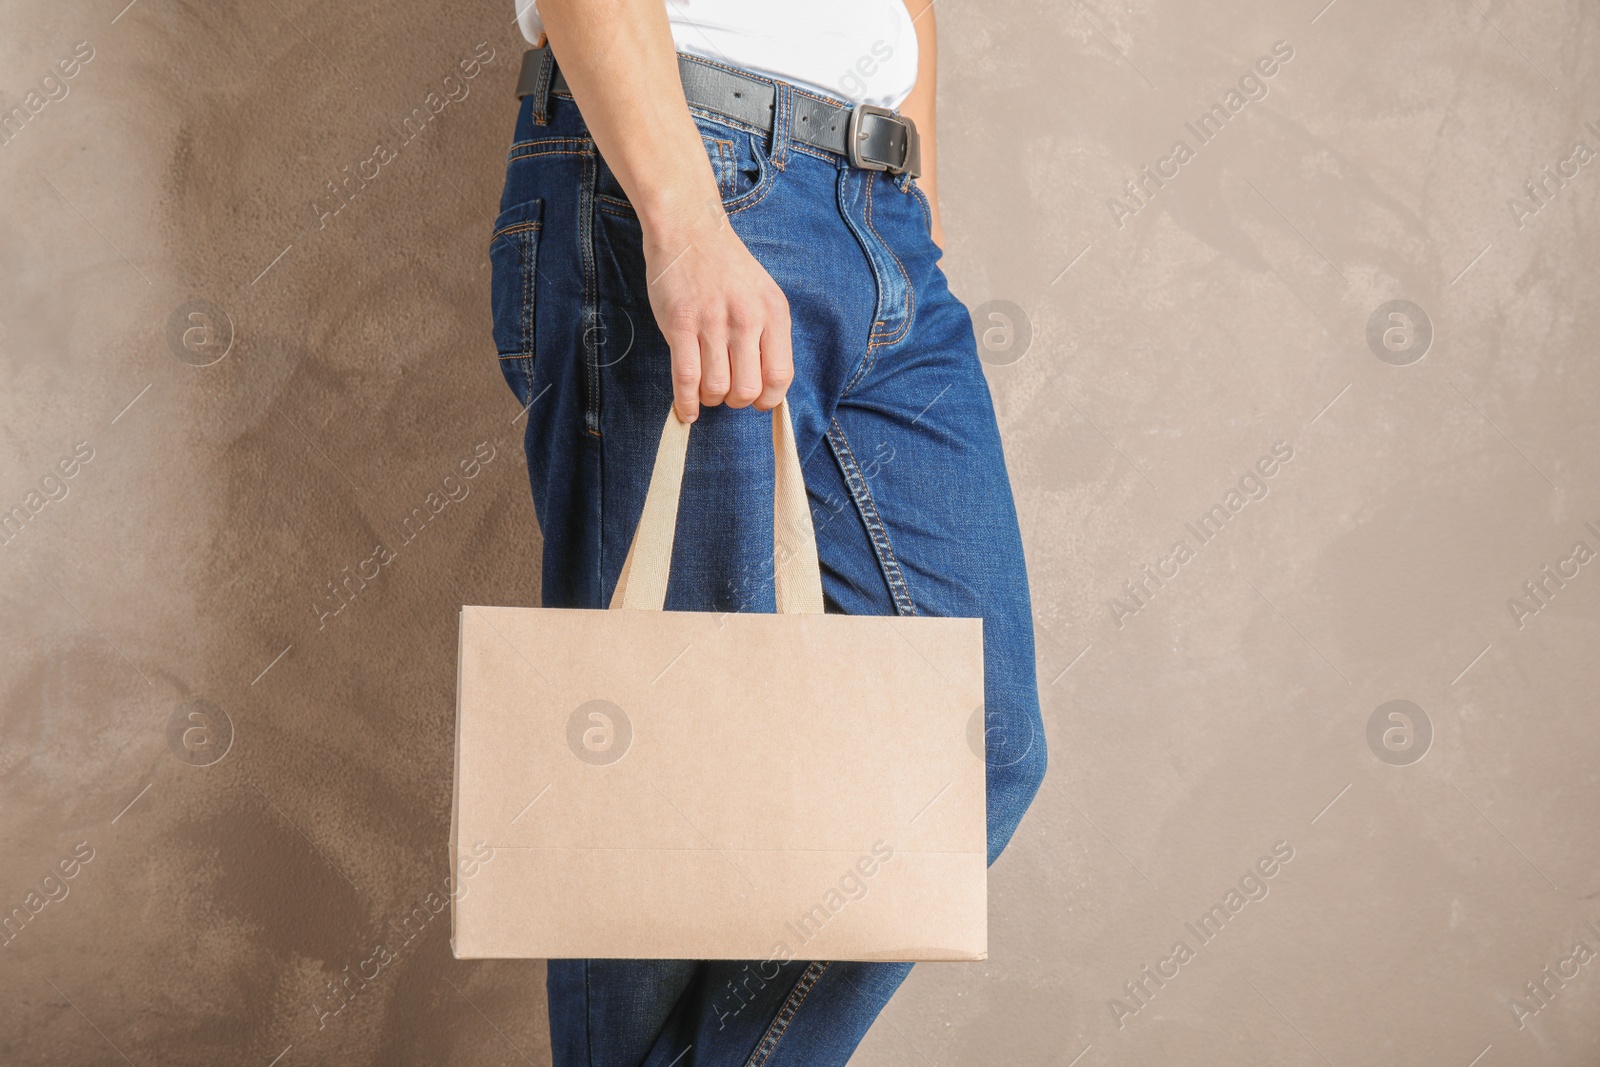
(534, 79)
(782, 123)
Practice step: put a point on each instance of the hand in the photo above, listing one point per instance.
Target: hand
(724, 318)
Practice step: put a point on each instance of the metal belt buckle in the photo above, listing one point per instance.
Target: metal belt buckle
(911, 159)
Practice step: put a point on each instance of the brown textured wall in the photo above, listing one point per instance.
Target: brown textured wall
(1157, 351)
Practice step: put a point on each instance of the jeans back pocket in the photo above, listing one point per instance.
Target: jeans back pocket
(514, 273)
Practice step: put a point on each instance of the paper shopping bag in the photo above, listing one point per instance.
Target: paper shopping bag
(648, 784)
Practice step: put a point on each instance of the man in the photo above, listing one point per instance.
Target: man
(710, 207)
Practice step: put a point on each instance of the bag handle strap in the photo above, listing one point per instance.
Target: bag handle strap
(796, 572)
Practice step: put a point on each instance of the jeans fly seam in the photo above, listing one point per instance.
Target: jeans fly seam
(909, 303)
(876, 530)
(866, 364)
(780, 1024)
(843, 184)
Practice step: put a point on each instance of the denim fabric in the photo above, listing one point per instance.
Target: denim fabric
(903, 463)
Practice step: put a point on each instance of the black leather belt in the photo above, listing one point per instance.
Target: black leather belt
(872, 138)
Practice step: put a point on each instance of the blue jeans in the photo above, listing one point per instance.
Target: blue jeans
(903, 464)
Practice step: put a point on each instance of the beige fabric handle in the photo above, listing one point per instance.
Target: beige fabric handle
(796, 572)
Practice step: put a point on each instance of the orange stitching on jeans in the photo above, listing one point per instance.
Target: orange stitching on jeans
(820, 153)
(515, 227)
(910, 301)
(780, 1025)
(782, 124)
(543, 151)
(724, 165)
(867, 359)
(588, 208)
(771, 181)
(757, 192)
(535, 142)
(551, 152)
(529, 254)
(877, 532)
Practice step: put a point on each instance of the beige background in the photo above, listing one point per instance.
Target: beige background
(1166, 356)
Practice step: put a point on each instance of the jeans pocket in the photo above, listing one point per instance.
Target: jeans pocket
(739, 162)
(514, 274)
(720, 151)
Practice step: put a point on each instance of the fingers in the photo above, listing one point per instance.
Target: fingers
(749, 363)
(714, 370)
(727, 327)
(744, 358)
(777, 354)
(685, 348)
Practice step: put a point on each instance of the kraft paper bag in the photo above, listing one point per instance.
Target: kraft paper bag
(647, 784)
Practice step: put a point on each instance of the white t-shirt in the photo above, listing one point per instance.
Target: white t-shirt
(862, 51)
